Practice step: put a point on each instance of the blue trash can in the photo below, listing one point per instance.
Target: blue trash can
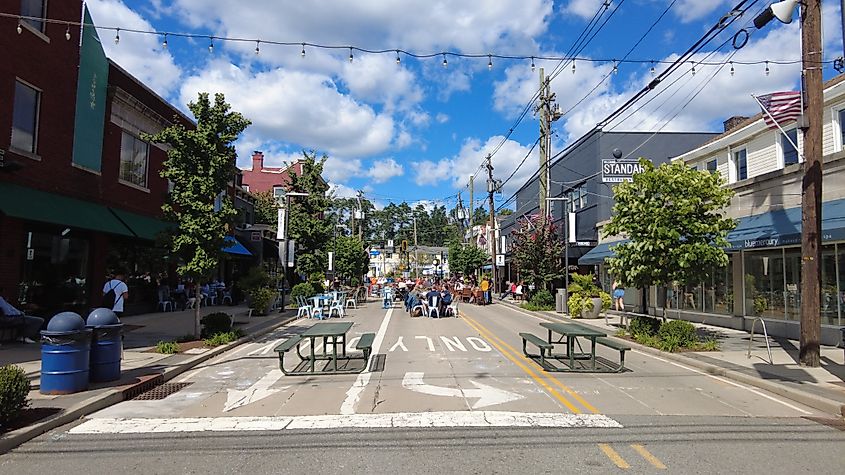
(106, 345)
(65, 352)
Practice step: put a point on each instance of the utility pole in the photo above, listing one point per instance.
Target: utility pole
(811, 56)
(361, 210)
(491, 188)
(471, 203)
(542, 108)
(416, 252)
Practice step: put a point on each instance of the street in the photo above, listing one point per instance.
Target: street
(445, 395)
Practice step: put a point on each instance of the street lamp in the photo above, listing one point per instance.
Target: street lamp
(282, 225)
(811, 186)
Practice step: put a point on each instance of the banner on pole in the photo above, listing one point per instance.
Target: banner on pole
(571, 223)
(291, 248)
(280, 224)
(331, 261)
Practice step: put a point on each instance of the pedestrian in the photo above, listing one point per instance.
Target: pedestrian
(120, 290)
(485, 289)
(10, 314)
(619, 295)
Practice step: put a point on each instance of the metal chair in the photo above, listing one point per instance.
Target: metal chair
(353, 300)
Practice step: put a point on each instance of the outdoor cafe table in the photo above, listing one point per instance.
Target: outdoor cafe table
(569, 332)
(334, 331)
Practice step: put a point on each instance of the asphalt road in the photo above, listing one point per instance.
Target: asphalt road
(448, 395)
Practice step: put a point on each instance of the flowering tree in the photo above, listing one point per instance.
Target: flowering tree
(537, 248)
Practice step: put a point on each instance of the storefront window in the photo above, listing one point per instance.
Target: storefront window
(145, 266)
(830, 291)
(55, 276)
(764, 283)
(718, 291)
(792, 291)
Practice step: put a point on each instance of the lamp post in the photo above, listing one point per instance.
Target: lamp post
(811, 187)
(284, 236)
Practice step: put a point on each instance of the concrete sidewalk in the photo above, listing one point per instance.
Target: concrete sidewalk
(822, 388)
(141, 368)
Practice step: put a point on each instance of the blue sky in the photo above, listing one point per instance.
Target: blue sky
(416, 131)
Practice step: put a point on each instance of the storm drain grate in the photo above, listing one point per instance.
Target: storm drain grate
(161, 391)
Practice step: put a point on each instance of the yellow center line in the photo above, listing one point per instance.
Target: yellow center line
(648, 456)
(614, 456)
(519, 354)
(522, 366)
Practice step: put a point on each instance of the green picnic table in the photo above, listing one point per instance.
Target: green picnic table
(332, 333)
(567, 334)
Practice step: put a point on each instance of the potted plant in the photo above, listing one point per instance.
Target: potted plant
(261, 299)
(586, 299)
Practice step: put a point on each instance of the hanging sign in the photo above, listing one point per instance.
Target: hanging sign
(617, 171)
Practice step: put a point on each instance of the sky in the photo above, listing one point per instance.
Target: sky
(416, 130)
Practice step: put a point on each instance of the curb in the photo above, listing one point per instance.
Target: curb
(95, 403)
(820, 403)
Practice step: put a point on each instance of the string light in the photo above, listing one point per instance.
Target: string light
(489, 62)
(693, 68)
(164, 43)
(257, 47)
(532, 64)
(211, 44)
(445, 63)
(767, 68)
(302, 53)
(117, 37)
(19, 29)
(350, 54)
(732, 68)
(398, 59)
(653, 72)
(615, 67)
(67, 32)
(573, 66)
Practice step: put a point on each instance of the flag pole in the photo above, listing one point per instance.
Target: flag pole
(801, 155)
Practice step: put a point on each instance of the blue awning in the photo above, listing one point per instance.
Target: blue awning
(235, 247)
(598, 254)
(783, 227)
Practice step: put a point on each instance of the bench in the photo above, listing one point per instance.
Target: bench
(366, 344)
(540, 343)
(11, 329)
(286, 346)
(616, 345)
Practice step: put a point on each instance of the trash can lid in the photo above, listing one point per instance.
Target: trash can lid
(102, 316)
(66, 322)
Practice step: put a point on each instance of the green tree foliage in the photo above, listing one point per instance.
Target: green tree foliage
(200, 163)
(480, 216)
(350, 259)
(306, 217)
(672, 216)
(466, 259)
(266, 208)
(537, 248)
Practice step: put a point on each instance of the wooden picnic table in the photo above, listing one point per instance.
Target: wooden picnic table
(569, 332)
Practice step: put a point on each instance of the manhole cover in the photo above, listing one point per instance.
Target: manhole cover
(161, 391)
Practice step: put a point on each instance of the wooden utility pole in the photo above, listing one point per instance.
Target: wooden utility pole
(416, 251)
(811, 56)
(471, 204)
(491, 188)
(542, 108)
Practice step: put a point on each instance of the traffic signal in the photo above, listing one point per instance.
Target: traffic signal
(404, 246)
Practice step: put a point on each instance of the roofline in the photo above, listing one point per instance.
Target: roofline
(151, 92)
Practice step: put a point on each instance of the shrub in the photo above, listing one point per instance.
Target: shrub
(255, 278)
(543, 298)
(643, 326)
(669, 343)
(302, 290)
(316, 280)
(260, 299)
(224, 338)
(14, 389)
(678, 331)
(711, 344)
(167, 347)
(216, 322)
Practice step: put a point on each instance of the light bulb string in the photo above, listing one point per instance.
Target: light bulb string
(409, 53)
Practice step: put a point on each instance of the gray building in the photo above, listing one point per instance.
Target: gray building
(576, 172)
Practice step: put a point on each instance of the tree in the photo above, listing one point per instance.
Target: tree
(672, 217)
(466, 259)
(480, 216)
(200, 163)
(350, 259)
(266, 208)
(537, 248)
(306, 216)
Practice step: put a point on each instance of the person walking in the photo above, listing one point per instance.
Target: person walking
(619, 301)
(485, 289)
(10, 314)
(121, 293)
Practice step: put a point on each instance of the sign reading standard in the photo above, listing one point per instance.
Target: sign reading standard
(617, 171)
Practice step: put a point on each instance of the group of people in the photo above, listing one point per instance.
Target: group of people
(439, 297)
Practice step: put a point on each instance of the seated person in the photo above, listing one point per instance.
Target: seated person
(446, 301)
(411, 301)
(32, 325)
(431, 295)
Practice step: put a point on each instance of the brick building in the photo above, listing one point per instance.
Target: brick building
(275, 179)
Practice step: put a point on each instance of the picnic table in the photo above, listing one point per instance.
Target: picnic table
(334, 334)
(567, 334)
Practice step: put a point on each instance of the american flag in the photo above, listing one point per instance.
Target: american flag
(781, 107)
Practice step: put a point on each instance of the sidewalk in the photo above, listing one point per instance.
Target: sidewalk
(821, 388)
(141, 368)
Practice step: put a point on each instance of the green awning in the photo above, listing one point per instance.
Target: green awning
(144, 227)
(34, 205)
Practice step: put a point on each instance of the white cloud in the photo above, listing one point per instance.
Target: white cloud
(341, 191)
(296, 107)
(441, 118)
(691, 10)
(377, 79)
(141, 55)
(383, 170)
(585, 9)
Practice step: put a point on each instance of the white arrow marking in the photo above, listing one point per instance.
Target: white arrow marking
(258, 391)
(399, 344)
(487, 395)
